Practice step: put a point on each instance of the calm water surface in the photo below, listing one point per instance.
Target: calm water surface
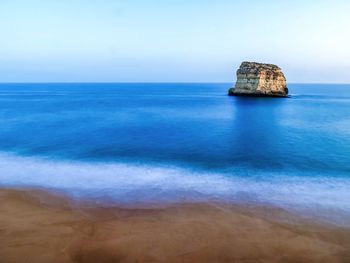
(146, 142)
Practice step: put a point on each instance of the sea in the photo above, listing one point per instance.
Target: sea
(145, 143)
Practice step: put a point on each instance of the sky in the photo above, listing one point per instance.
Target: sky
(172, 41)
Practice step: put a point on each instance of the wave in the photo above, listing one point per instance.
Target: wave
(145, 183)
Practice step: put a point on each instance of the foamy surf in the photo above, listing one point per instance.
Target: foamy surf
(128, 183)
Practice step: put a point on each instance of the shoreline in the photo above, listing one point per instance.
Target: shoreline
(39, 226)
(320, 197)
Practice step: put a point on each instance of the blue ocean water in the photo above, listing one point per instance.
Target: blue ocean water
(147, 142)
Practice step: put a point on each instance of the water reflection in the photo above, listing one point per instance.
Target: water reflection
(256, 138)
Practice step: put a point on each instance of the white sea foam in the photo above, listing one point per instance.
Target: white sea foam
(125, 182)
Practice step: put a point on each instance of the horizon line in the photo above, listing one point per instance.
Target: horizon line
(152, 82)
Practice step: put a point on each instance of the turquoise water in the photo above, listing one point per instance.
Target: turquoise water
(170, 142)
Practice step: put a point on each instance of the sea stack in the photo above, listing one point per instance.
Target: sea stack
(261, 80)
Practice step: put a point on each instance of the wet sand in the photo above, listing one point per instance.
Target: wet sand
(36, 226)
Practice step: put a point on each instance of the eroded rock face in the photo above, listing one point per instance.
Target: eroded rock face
(257, 79)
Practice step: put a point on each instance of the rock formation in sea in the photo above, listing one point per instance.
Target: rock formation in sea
(257, 79)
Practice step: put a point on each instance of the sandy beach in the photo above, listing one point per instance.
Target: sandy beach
(36, 226)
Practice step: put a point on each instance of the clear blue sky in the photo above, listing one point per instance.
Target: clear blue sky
(176, 41)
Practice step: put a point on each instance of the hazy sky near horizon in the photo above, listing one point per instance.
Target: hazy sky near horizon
(172, 41)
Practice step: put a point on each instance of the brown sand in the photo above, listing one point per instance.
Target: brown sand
(52, 231)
